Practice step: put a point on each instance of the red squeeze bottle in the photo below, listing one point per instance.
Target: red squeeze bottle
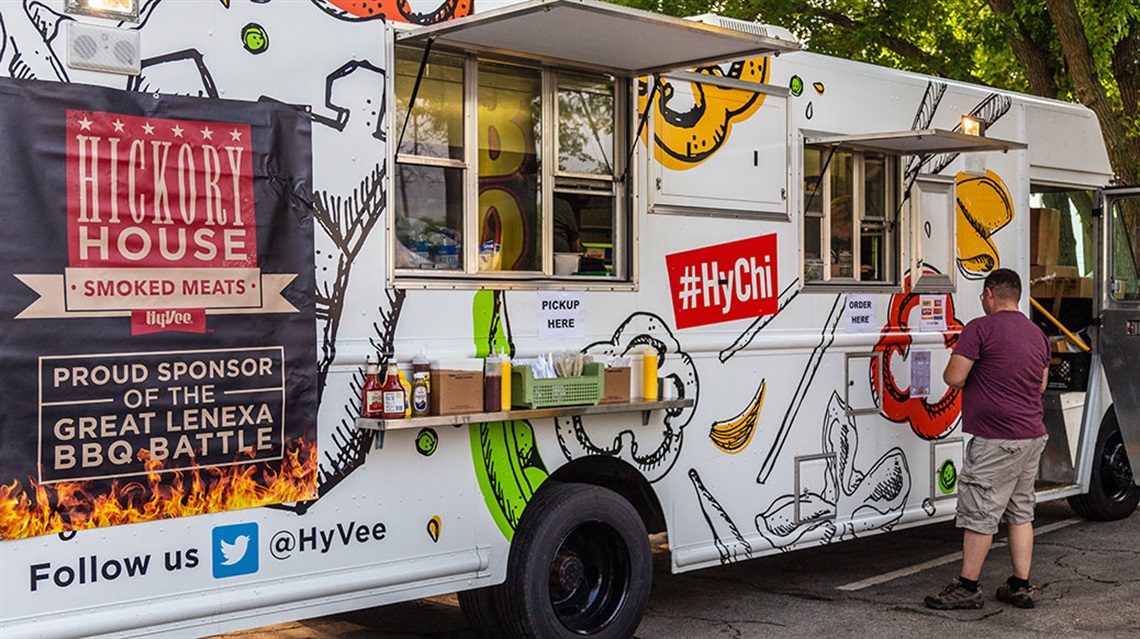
(395, 400)
(371, 397)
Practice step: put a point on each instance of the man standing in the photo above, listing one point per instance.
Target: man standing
(1001, 363)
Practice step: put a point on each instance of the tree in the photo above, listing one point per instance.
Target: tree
(1083, 50)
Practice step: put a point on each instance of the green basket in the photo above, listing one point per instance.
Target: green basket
(528, 392)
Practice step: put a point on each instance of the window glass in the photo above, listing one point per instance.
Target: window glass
(585, 125)
(509, 123)
(429, 217)
(849, 198)
(531, 200)
(876, 182)
(813, 214)
(584, 224)
(842, 220)
(435, 126)
(1125, 249)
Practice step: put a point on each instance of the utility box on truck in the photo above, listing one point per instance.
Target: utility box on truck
(742, 264)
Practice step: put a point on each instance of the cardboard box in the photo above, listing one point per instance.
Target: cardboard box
(1057, 287)
(456, 387)
(1044, 233)
(1085, 289)
(616, 389)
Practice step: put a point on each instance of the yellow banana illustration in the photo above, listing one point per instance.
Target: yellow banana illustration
(683, 140)
(733, 435)
(434, 528)
(984, 206)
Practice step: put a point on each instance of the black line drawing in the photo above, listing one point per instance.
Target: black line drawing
(826, 339)
(786, 296)
(726, 536)
(990, 110)
(28, 49)
(878, 496)
(675, 367)
(175, 73)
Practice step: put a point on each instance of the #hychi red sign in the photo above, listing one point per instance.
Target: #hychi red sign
(724, 282)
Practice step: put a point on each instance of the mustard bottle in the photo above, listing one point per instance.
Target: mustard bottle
(649, 374)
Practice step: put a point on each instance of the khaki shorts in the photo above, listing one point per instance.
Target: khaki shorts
(996, 483)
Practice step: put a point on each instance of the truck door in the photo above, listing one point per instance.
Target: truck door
(1119, 299)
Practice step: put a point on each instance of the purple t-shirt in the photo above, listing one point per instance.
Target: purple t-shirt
(1002, 395)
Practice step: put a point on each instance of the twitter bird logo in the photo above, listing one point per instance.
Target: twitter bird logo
(235, 550)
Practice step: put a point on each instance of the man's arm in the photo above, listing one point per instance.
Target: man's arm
(957, 370)
(1045, 379)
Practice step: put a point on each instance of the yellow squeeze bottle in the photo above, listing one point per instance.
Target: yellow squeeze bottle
(506, 360)
(649, 374)
(407, 395)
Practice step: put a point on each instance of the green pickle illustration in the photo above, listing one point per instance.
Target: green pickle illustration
(947, 477)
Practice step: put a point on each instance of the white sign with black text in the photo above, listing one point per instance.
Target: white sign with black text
(860, 313)
(561, 315)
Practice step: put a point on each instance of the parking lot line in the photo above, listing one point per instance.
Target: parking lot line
(945, 559)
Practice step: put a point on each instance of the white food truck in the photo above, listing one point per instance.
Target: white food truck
(213, 214)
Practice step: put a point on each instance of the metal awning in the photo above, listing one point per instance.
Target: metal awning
(624, 41)
(918, 142)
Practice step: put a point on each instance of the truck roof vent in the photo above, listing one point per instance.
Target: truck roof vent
(755, 28)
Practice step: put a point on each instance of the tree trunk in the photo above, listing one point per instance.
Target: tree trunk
(1037, 71)
(1078, 57)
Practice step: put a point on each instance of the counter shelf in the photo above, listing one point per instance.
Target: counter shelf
(368, 423)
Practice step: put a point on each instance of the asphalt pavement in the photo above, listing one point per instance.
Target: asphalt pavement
(1087, 576)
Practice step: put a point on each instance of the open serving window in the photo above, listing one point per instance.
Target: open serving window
(854, 190)
(511, 137)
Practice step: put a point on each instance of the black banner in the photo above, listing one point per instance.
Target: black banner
(157, 306)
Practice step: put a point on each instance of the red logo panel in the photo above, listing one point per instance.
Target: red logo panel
(153, 192)
(724, 282)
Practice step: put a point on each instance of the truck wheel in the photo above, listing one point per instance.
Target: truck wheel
(480, 609)
(580, 566)
(1113, 493)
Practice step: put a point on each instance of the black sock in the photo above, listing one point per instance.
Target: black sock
(1017, 584)
(969, 584)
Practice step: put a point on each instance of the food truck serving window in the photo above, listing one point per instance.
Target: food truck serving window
(850, 208)
(853, 207)
(507, 169)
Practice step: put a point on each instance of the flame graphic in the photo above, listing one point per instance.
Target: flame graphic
(44, 509)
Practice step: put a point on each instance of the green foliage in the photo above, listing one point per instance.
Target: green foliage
(1008, 44)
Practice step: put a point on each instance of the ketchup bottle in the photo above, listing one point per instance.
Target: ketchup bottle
(395, 398)
(371, 398)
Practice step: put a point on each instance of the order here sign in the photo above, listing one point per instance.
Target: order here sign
(561, 315)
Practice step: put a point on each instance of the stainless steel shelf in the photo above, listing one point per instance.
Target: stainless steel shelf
(643, 407)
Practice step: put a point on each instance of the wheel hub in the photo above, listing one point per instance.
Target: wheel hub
(569, 571)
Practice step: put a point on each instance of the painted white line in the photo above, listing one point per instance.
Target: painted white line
(946, 559)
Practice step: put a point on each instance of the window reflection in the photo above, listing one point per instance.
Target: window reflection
(510, 118)
(585, 125)
(435, 127)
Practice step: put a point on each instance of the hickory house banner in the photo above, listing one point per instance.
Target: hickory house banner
(157, 307)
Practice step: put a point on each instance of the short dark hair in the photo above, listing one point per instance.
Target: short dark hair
(1005, 283)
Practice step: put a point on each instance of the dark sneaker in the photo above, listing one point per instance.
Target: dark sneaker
(955, 597)
(1021, 598)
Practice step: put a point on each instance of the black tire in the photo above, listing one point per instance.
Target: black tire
(1113, 493)
(480, 608)
(580, 566)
